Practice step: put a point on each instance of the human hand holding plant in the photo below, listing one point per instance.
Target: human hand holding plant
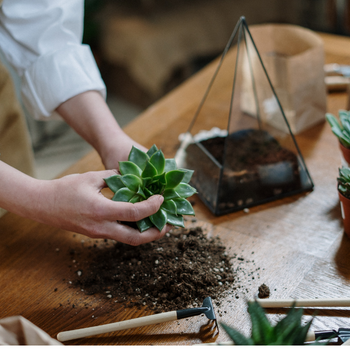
(75, 203)
(147, 174)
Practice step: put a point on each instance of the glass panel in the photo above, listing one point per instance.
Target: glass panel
(242, 145)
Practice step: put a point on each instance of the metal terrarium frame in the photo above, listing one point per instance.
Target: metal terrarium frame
(259, 160)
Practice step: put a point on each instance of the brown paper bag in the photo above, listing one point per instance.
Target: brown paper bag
(17, 330)
(294, 59)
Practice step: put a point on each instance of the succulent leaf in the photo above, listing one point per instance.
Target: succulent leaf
(141, 193)
(138, 157)
(136, 198)
(123, 195)
(132, 182)
(128, 167)
(149, 170)
(176, 220)
(187, 176)
(173, 178)
(158, 161)
(169, 206)
(170, 164)
(144, 224)
(152, 150)
(147, 174)
(184, 190)
(170, 194)
(114, 183)
(159, 219)
(184, 207)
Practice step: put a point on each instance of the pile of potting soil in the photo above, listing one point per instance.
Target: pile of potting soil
(175, 272)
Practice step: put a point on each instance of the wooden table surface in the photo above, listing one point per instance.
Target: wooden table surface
(297, 242)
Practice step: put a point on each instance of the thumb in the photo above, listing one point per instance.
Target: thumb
(124, 211)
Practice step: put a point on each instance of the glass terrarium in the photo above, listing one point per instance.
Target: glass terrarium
(239, 143)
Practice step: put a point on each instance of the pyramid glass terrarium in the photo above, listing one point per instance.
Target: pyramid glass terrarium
(239, 143)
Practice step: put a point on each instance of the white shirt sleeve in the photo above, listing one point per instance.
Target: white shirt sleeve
(41, 39)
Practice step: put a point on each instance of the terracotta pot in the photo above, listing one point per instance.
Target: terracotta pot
(346, 153)
(345, 212)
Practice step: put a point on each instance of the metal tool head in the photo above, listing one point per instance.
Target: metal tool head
(344, 334)
(210, 313)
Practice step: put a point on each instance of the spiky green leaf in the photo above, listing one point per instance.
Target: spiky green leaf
(138, 157)
(261, 327)
(128, 167)
(237, 337)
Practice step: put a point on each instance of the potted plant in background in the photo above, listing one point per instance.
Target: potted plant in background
(344, 196)
(341, 129)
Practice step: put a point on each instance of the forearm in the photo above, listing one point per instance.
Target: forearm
(89, 115)
(19, 192)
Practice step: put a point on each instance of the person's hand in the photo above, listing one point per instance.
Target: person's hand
(75, 203)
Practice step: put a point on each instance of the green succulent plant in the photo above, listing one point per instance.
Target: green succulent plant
(146, 174)
(288, 331)
(344, 181)
(340, 128)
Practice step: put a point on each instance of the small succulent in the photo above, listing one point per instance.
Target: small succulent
(344, 181)
(146, 174)
(288, 331)
(340, 129)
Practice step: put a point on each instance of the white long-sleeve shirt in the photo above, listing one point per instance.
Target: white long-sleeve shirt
(41, 40)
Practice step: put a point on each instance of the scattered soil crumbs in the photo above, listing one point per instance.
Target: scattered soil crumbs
(175, 272)
(264, 291)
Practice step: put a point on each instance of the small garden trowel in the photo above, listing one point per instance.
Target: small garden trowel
(206, 309)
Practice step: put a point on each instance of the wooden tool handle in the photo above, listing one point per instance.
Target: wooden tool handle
(117, 326)
(267, 303)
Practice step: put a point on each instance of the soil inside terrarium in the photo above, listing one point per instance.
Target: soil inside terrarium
(256, 169)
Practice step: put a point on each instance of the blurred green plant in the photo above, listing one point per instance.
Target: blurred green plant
(146, 174)
(288, 331)
(340, 128)
(344, 181)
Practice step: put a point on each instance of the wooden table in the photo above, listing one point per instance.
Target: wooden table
(297, 242)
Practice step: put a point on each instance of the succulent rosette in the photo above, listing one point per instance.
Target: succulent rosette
(146, 174)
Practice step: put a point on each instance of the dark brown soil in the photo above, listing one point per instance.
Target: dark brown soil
(257, 169)
(264, 291)
(175, 272)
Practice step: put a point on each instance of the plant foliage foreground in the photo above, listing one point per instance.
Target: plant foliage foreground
(146, 174)
(288, 331)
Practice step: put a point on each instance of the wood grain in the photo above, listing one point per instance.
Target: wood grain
(296, 246)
